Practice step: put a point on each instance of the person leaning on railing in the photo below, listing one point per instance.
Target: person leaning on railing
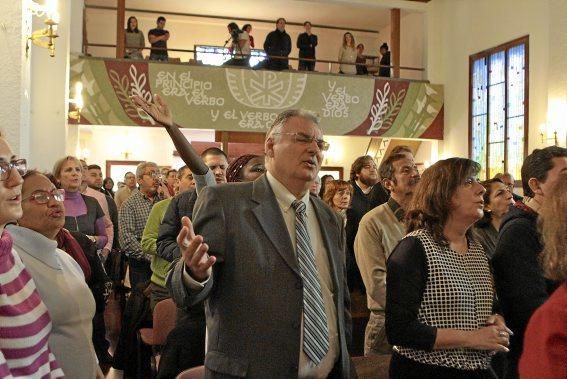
(133, 40)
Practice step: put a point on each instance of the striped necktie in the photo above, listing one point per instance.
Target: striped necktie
(315, 332)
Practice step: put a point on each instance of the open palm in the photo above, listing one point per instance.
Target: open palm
(157, 109)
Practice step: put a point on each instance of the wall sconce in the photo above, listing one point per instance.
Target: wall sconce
(76, 104)
(543, 134)
(45, 37)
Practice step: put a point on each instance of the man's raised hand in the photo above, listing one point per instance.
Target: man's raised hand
(194, 252)
(157, 109)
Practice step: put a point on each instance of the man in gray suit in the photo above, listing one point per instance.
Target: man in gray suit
(272, 270)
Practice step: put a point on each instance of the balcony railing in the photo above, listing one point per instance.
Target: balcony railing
(195, 52)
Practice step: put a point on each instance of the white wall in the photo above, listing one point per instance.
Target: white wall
(100, 143)
(15, 76)
(457, 29)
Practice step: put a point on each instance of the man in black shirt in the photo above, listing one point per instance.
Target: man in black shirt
(277, 44)
(158, 38)
(306, 43)
(368, 193)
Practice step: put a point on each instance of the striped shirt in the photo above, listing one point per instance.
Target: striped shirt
(25, 324)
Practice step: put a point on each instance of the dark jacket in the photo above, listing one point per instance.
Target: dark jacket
(385, 61)
(181, 205)
(100, 283)
(360, 205)
(277, 44)
(306, 45)
(519, 281)
(113, 214)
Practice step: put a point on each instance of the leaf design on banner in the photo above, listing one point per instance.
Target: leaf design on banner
(138, 83)
(121, 89)
(396, 101)
(378, 110)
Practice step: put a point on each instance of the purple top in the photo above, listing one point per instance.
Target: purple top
(84, 214)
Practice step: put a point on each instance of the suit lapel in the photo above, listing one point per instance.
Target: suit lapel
(270, 217)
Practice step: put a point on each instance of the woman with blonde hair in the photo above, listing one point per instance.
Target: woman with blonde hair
(545, 340)
(338, 196)
(347, 55)
(82, 213)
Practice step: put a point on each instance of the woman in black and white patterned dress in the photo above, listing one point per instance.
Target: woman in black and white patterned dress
(439, 301)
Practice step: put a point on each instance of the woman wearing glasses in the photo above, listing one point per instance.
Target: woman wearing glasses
(439, 293)
(60, 280)
(22, 312)
(82, 213)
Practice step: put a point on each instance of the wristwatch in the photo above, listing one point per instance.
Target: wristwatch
(92, 238)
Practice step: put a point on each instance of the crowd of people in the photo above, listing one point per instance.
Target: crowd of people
(277, 47)
(461, 281)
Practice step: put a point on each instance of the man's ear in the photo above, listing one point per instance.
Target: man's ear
(535, 186)
(269, 147)
(388, 184)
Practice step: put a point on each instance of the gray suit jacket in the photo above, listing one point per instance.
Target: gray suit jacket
(254, 296)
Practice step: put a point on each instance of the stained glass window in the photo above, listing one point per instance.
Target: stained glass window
(498, 97)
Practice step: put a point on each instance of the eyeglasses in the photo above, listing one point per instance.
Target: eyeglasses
(43, 197)
(155, 175)
(6, 168)
(305, 139)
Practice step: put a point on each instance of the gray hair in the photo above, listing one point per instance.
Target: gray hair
(141, 168)
(284, 117)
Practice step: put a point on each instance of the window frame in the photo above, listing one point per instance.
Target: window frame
(486, 54)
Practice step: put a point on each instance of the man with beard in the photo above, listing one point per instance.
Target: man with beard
(368, 194)
(379, 232)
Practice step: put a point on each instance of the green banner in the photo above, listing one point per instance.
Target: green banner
(234, 99)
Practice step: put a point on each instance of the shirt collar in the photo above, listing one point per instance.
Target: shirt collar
(36, 245)
(396, 209)
(283, 196)
(364, 191)
(143, 196)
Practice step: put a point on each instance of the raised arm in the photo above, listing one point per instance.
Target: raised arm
(161, 113)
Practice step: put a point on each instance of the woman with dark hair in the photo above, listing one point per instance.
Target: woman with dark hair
(248, 29)
(338, 195)
(439, 293)
(497, 200)
(107, 186)
(133, 40)
(347, 55)
(60, 279)
(384, 61)
(545, 340)
(245, 168)
(325, 179)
